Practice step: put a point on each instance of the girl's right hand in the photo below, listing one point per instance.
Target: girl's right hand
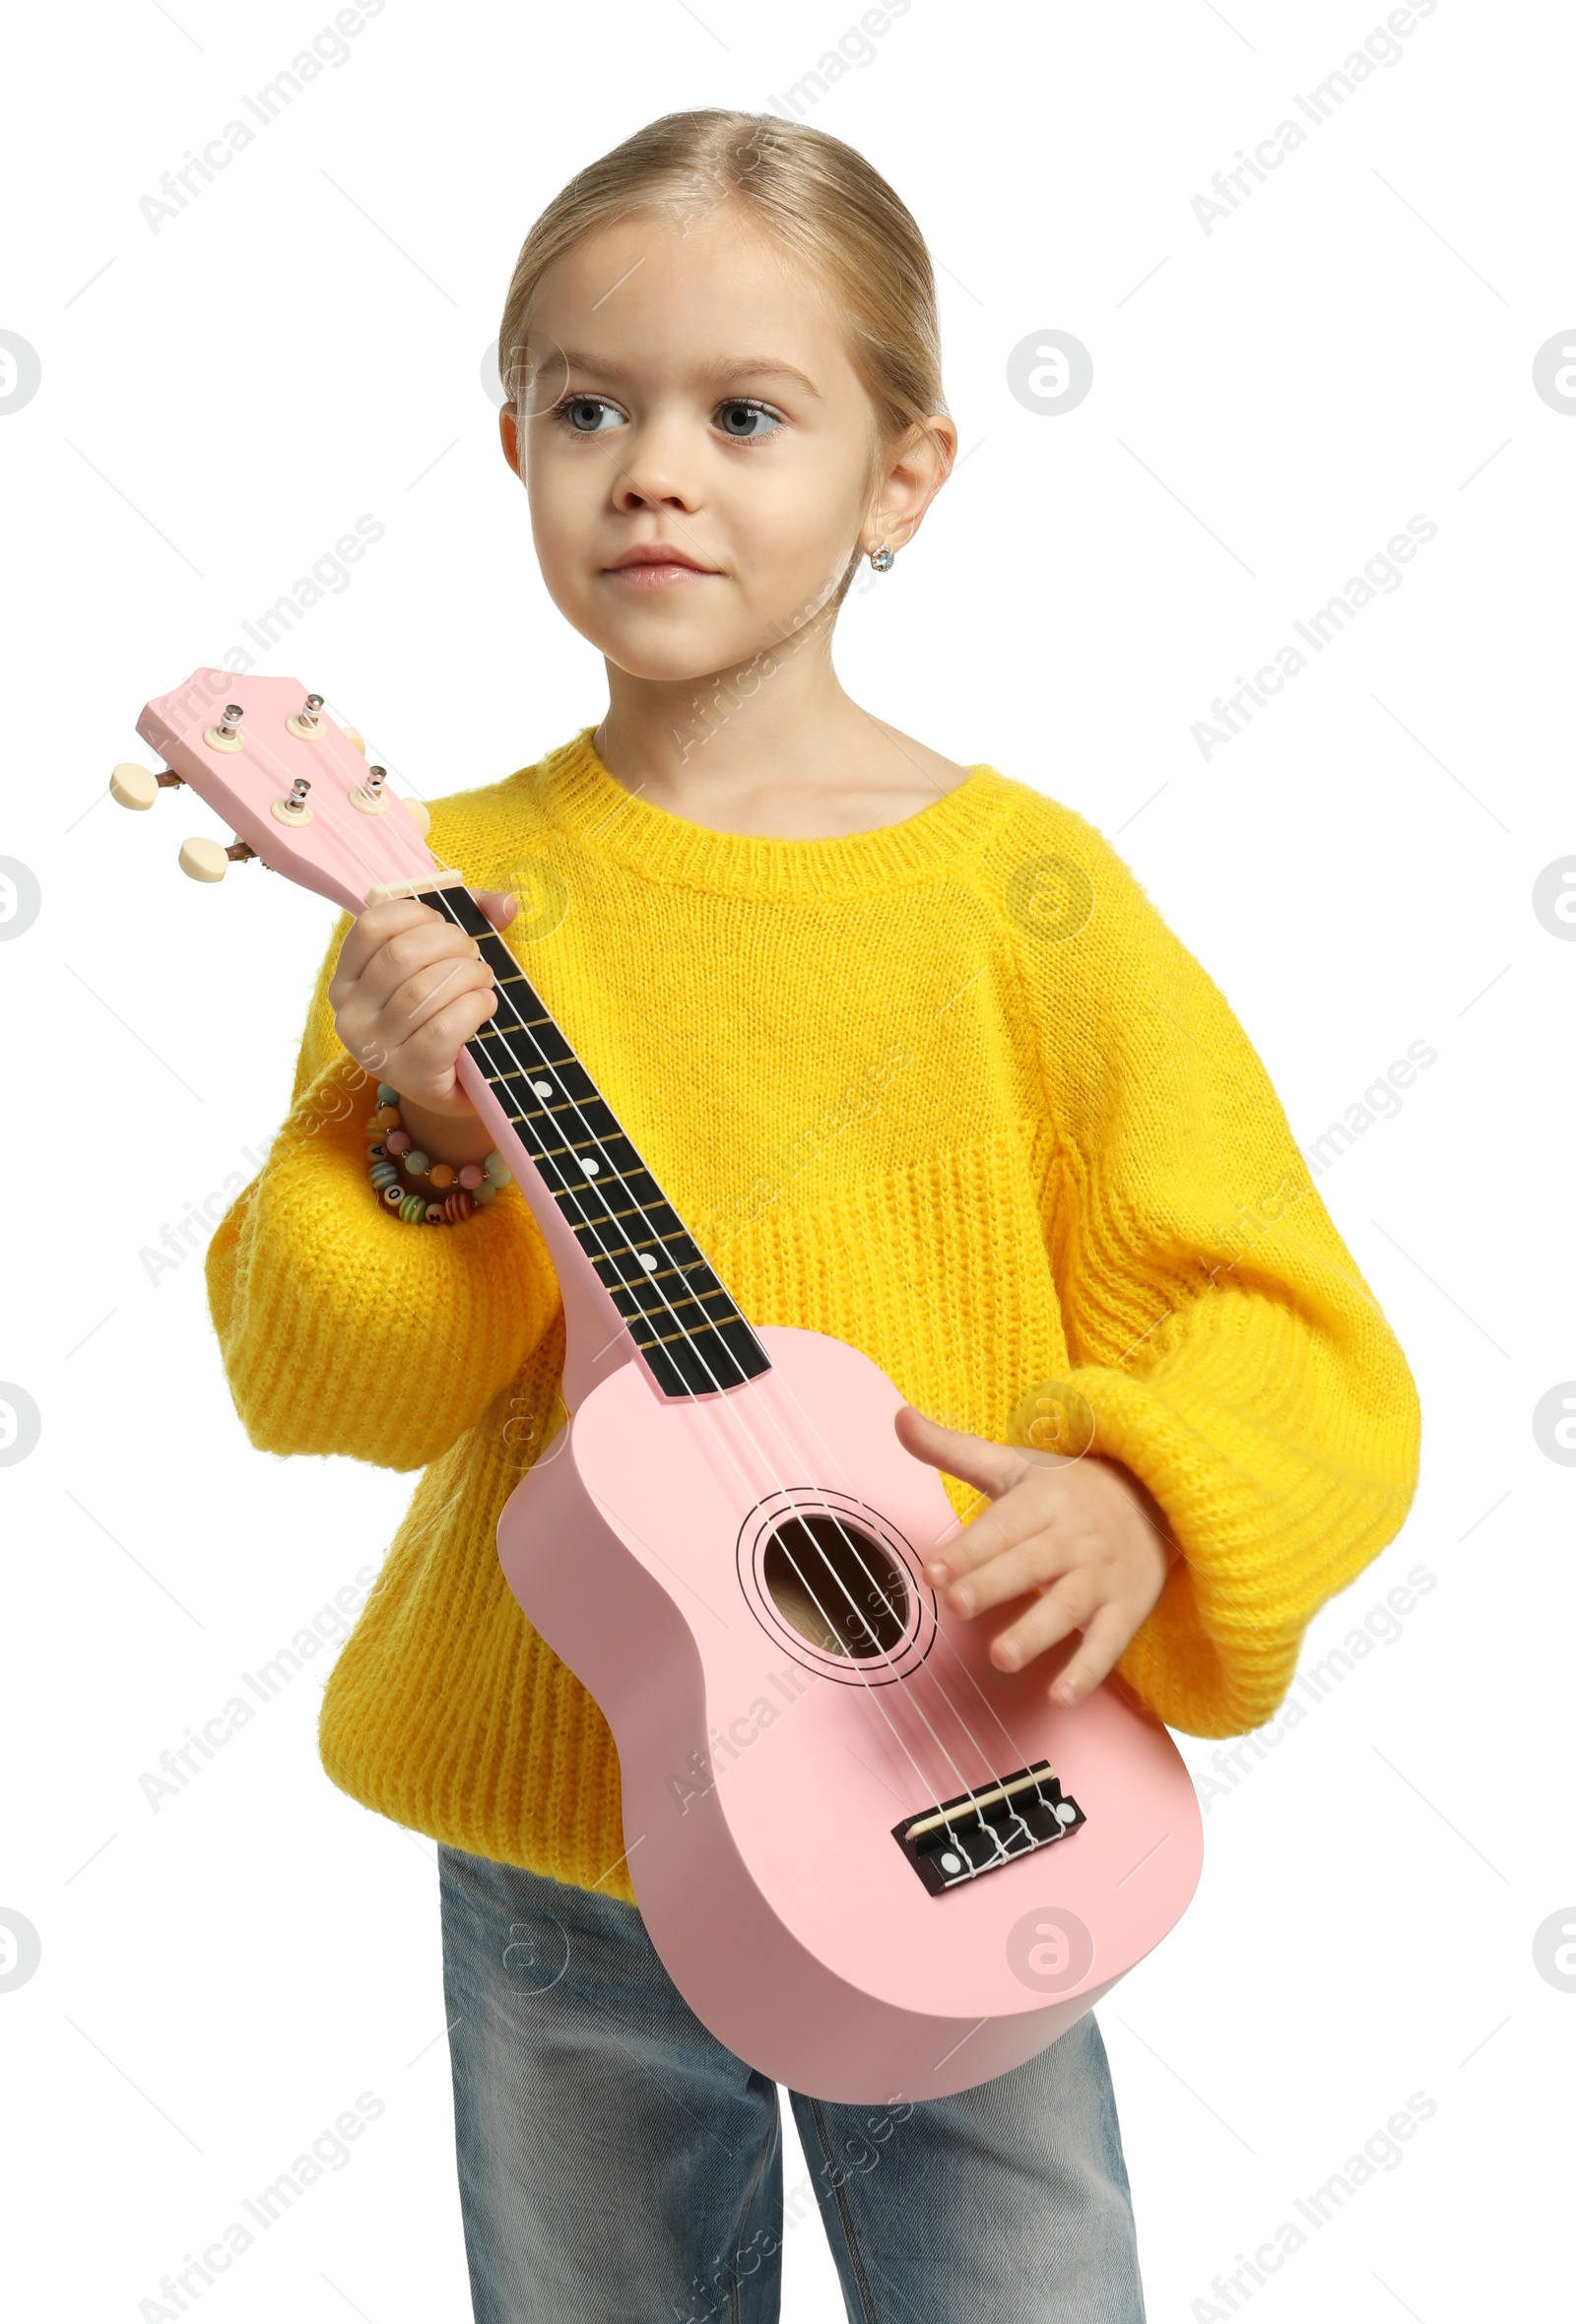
(409, 989)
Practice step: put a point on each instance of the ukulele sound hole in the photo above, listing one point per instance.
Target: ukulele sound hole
(837, 1587)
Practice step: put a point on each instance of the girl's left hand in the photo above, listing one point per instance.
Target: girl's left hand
(1084, 1532)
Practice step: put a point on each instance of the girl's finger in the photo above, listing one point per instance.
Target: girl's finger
(1036, 1560)
(993, 1468)
(1024, 1511)
(421, 945)
(372, 929)
(431, 1048)
(1067, 1605)
(427, 996)
(1102, 1644)
(500, 908)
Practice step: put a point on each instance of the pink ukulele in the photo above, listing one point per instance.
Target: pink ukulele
(876, 1867)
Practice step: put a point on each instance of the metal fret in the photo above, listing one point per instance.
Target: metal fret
(681, 1316)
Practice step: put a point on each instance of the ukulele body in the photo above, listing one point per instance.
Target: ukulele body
(763, 1775)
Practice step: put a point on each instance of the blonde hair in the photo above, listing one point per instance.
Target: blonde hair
(816, 196)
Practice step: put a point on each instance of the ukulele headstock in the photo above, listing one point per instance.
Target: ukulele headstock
(294, 786)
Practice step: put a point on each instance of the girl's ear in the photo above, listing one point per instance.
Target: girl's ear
(511, 437)
(912, 472)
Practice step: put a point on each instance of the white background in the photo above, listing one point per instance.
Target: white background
(1271, 401)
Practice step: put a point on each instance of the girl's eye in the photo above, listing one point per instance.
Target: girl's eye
(576, 409)
(738, 417)
(736, 414)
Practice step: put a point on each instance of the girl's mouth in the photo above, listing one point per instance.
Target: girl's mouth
(661, 576)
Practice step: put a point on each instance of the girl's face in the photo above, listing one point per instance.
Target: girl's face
(690, 391)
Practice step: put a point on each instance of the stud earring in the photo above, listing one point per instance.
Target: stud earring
(880, 560)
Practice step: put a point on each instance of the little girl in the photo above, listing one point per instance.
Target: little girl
(922, 1067)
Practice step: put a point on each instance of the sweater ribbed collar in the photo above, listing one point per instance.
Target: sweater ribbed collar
(577, 793)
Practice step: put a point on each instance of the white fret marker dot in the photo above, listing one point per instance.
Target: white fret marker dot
(648, 1262)
(542, 1088)
(592, 1166)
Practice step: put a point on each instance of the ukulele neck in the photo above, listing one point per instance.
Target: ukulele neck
(582, 1173)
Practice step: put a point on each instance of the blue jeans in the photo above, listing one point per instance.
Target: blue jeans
(619, 2165)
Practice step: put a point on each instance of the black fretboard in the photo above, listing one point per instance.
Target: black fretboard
(683, 1320)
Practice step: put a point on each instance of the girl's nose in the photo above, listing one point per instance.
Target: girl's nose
(657, 471)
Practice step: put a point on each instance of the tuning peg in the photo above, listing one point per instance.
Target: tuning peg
(225, 734)
(137, 786)
(351, 736)
(307, 721)
(373, 798)
(205, 859)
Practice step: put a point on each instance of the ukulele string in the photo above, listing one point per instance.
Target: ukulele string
(503, 1037)
(357, 840)
(908, 1681)
(1009, 1737)
(548, 1066)
(950, 1644)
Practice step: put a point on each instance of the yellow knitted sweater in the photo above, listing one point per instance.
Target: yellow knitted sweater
(950, 1091)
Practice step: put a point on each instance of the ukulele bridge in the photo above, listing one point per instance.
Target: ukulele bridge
(958, 1840)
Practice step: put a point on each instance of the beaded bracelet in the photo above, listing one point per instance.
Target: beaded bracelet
(389, 1150)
